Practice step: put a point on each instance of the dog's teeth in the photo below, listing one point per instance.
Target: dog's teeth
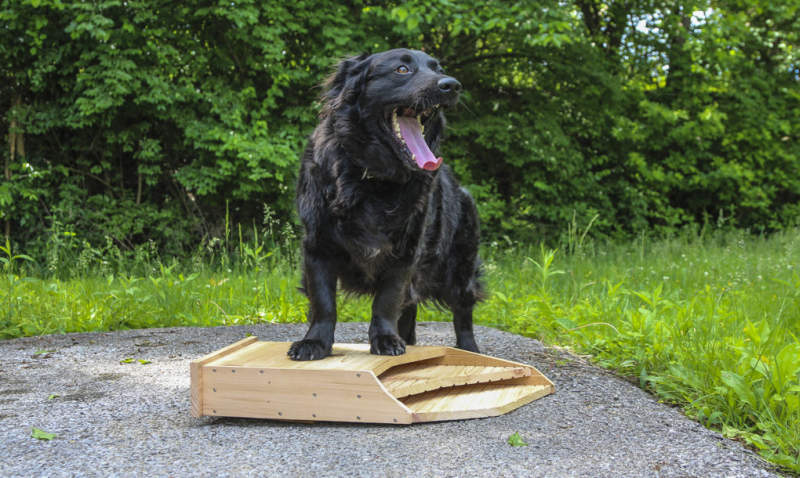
(396, 125)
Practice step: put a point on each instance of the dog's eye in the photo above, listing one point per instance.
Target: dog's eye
(402, 69)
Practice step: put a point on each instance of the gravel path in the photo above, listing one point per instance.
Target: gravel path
(116, 419)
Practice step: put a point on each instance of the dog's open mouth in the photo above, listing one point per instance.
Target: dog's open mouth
(409, 128)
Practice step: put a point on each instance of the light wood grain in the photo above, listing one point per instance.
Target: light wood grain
(298, 394)
(455, 356)
(419, 377)
(196, 375)
(473, 401)
(257, 379)
(343, 357)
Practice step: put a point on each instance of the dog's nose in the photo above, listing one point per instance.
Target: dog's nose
(449, 85)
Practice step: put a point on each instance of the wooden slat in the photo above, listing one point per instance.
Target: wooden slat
(455, 356)
(196, 376)
(414, 378)
(344, 357)
(473, 401)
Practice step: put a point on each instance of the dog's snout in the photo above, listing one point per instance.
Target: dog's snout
(449, 85)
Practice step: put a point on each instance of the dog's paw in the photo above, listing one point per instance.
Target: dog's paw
(387, 345)
(308, 349)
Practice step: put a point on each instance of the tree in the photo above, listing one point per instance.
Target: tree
(151, 121)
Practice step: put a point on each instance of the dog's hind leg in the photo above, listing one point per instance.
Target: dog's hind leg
(319, 280)
(406, 327)
(464, 285)
(386, 309)
(462, 322)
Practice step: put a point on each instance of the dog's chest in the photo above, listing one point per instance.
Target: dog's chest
(381, 225)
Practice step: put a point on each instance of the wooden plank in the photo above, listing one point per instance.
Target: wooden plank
(196, 376)
(352, 357)
(226, 350)
(414, 378)
(455, 356)
(474, 401)
(299, 394)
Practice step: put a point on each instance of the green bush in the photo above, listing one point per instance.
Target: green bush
(146, 120)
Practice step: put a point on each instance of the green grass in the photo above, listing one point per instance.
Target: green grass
(710, 324)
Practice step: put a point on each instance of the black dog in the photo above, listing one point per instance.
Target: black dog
(380, 214)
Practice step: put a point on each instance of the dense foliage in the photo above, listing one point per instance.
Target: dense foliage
(143, 120)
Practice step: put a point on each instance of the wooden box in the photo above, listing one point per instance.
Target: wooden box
(256, 379)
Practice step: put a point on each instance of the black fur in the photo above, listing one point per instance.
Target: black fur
(374, 220)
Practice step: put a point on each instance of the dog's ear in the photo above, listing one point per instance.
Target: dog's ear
(345, 84)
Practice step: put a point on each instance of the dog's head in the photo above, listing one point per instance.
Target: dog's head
(386, 109)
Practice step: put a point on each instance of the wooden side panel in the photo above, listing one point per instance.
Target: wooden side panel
(474, 401)
(196, 376)
(355, 357)
(414, 378)
(196, 388)
(298, 394)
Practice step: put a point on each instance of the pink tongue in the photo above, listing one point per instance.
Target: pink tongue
(412, 135)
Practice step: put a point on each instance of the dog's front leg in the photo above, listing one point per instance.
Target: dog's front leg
(386, 308)
(319, 280)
